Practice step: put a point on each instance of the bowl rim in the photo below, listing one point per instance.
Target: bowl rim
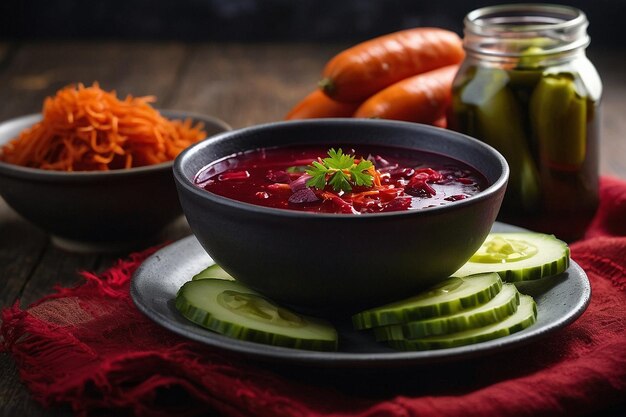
(50, 175)
(188, 185)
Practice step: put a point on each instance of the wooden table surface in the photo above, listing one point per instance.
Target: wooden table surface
(243, 84)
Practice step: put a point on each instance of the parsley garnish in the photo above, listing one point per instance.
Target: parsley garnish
(340, 171)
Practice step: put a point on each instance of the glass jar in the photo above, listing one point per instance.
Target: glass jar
(527, 88)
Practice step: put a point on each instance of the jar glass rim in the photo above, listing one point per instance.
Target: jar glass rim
(502, 18)
(510, 30)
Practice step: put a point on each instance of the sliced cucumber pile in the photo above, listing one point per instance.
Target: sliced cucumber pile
(518, 257)
(495, 310)
(231, 309)
(213, 271)
(448, 297)
(525, 316)
(473, 305)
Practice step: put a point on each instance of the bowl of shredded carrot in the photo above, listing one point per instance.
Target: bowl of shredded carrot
(94, 169)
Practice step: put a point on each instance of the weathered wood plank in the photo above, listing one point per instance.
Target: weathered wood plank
(252, 83)
(38, 70)
(15, 400)
(21, 247)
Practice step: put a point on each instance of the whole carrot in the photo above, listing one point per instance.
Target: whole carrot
(423, 98)
(441, 122)
(364, 69)
(317, 105)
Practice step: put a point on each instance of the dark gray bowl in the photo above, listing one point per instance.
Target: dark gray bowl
(95, 210)
(325, 263)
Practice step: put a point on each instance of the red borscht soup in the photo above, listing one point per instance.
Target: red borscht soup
(344, 179)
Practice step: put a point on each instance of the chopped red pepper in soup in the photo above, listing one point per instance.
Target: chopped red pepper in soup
(347, 179)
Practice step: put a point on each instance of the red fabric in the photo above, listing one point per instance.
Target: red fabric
(89, 347)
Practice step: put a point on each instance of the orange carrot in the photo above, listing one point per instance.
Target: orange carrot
(88, 129)
(318, 105)
(441, 122)
(422, 98)
(364, 69)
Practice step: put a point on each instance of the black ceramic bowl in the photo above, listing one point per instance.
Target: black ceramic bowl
(95, 210)
(325, 263)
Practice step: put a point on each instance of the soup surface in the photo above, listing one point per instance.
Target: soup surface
(347, 179)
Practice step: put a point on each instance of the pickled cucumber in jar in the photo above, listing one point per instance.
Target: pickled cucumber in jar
(536, 100)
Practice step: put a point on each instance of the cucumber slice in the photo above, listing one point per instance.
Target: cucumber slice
(213, 271)
(231, 309)
(448, 297)
(518, 256)
(525, 316)
(497, 309)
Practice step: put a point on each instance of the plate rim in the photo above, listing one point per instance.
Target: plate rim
(285, 355)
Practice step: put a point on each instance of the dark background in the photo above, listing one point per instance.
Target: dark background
(260, 20)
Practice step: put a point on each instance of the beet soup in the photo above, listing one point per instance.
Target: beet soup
(350, 179)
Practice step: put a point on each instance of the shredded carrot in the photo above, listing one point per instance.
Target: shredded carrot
(89, 129)
(375, 176)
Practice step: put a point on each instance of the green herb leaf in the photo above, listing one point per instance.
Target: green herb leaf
(340, 171)
(359, 177)
(338, 160)
(318, 175)
(339, 182)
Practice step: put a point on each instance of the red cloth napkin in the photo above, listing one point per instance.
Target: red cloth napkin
(89, 347)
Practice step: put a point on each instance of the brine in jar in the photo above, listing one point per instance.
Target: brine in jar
(527, 88)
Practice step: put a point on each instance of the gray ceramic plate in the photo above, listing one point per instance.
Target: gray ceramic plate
(560, 301)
